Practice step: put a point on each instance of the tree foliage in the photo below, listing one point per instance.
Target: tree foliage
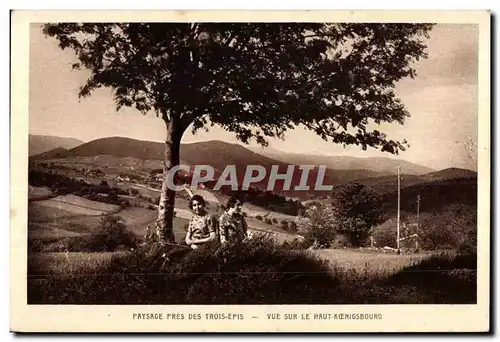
(256, 80)
(358, 208)
(318, 224)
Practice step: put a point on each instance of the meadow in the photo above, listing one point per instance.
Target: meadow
(349, 260)
(257, 272)
(368, 263)
(64, 265)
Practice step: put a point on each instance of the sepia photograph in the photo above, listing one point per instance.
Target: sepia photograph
(243, 163)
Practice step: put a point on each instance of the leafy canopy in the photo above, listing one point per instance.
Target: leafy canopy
(358, 208)
(255, 79)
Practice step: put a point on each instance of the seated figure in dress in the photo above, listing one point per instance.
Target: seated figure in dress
(202, 228)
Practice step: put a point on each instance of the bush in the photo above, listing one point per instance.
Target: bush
(256, 272)
(252, 273)
(112, 232)
(469, 245)
(124, 205)
(133, 191)
(275, 221)
(453, 228)
(443, 278)
(385, 234)
(319, 225)
(296, 244)
(268, 221)
(258, 217)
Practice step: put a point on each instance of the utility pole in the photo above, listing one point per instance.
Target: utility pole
(399, 204)
(418, 222)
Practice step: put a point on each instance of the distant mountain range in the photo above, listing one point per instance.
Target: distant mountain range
(375, 172)
(43, 143)
(126, 147)
(388, 184)
(436, 188)
(379, 165)
(217, 154)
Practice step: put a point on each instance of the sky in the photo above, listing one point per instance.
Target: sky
(442, 101)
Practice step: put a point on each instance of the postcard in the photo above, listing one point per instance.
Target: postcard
(250, 171)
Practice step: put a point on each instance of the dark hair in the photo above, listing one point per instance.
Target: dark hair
(231, 203)
(198, 199)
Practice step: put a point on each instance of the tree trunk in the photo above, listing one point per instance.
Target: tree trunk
(164, 222)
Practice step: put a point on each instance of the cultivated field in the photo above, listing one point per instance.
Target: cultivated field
(35, 192)
(78, 205)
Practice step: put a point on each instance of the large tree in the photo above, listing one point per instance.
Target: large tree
(357, 208)
(257, 80)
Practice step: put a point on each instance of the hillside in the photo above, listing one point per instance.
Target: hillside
(218, 154)
(56, 153)
(43, 143)
(434, 196)
(379, 166)
(436, 190)
(388, 184)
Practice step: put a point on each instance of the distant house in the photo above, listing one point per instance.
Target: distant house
(122, 179)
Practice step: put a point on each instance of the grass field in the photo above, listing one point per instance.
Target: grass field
(66, 263)
(35, 192)
(47, 222)
(44, 231)
(359, 262)
(50, 219)
(137, 219)
(368, 263)
(75, 205)
(38, 212)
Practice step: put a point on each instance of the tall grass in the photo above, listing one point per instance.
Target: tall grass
(253, 273)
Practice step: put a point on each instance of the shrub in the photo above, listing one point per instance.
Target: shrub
(256, 272)
(469, 245)
(124, 205)
(252, 273)
(319, 225)
(296, 244)
(267, 220)
(442, 278)
(284, 226)
(133, 191)
(451, 228)
(385, 234)
(111, 233)
(258, 217)
(275, 221)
